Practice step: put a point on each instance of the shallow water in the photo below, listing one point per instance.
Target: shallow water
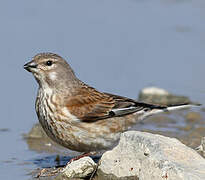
(118, 46)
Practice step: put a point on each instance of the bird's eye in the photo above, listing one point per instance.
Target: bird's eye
(49, 63)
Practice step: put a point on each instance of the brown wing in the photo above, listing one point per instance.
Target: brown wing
(90, 105)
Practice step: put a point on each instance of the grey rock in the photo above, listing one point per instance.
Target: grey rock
(160, 96)
(77, 169)
(146, 156)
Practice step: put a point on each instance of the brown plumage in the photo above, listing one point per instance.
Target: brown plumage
(78, 116)
(90, 105)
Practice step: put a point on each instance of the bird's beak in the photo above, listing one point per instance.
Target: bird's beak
(30, 66)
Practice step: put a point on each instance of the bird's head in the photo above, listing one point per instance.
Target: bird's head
(50, 70)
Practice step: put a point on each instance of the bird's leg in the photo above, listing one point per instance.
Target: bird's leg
(81, 156)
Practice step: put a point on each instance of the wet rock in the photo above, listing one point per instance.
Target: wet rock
(37, 140)
(36, 132)
(160, 96)
(192, 117)
(77, 169)
(146, 156)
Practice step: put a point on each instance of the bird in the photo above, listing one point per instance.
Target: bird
(78, 116)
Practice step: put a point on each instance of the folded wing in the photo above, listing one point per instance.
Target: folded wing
(90, 105)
